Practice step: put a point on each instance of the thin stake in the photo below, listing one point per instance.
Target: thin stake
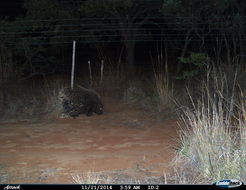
(89, 65)
(73, 64)
(102, 67)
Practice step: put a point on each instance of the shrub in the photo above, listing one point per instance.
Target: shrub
(195, 64)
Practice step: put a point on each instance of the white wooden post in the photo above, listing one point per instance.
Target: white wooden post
(73, 64)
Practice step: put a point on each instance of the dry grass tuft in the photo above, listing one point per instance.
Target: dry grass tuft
(212, 144)
(164, 88)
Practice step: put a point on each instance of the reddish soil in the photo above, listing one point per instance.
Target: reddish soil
(122, 141)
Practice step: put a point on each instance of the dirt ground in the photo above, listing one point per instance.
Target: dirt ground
(124, 144)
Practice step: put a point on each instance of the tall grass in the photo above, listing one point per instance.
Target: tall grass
(32, 100)
(212, 135)
(163, 85)
(50, 91)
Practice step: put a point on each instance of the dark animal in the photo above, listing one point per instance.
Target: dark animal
(80, 101)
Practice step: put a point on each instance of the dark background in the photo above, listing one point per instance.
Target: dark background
(12, 8)
(37, 35)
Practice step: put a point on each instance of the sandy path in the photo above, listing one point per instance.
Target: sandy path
(125, 141)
